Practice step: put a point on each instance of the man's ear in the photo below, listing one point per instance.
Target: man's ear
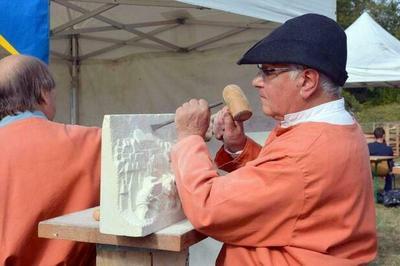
(308, 83)
(45, 96)
(48, 106)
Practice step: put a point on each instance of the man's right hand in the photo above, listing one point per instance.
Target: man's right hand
(229, 131)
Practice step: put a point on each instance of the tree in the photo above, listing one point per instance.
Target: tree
(386, 13)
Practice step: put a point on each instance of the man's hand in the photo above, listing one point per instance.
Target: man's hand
(192, 118)
(229, 131)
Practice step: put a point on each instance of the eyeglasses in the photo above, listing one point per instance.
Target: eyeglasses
(265, 72)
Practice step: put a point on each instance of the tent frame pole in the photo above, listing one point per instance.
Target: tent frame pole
(74, 70)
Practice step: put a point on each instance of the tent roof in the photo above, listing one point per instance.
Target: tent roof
(113, 29)
(373, 55)
(272, 10)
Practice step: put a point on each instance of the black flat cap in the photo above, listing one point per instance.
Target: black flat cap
(311, 40)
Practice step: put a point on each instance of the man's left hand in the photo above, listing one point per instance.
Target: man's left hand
(192, 118)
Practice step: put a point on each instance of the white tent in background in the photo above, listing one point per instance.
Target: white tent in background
(373, 55)
(148, 56)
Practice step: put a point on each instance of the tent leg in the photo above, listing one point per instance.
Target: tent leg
(75, 69)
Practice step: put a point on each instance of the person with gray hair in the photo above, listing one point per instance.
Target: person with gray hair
(31, 91)
(47, 169)
(305, 197)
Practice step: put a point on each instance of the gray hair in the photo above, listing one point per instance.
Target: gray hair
(329, 87)
(327, 84)
(22, 81)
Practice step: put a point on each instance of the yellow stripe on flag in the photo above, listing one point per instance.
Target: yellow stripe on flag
(6, 45)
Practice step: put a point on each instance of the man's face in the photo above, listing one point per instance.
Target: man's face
(278, 92)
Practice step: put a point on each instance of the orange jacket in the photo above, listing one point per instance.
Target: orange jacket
(46, 170)
(305, 198)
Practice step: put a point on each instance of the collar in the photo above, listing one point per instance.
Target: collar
(21, 115)
(331, 112)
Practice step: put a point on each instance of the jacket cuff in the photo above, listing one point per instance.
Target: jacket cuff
(227, 163)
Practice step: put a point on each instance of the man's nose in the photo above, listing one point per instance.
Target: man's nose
(257, 82)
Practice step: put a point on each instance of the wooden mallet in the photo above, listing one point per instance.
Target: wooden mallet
(237, 103)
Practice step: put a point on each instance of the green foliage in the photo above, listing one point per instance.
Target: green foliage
(383, 96)
(349, 10)
(352, 104)
(374, 96)
(386, 13)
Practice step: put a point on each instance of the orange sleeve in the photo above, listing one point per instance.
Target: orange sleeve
(225, 161)
(256, 205)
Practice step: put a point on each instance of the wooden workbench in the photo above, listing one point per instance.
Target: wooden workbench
(168, 246)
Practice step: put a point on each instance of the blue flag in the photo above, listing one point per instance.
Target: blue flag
(24, 27)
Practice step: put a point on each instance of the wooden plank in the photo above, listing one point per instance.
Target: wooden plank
(126, 256)
(80, 226)
(167, 258)
(380, 158)
(116, 256)
(386, 127)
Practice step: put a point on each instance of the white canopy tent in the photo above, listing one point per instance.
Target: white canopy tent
(148, 56)
(373, 55)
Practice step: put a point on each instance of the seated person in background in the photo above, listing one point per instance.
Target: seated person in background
(379, 148)
(47, 169)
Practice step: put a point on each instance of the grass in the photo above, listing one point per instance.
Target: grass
(379, 113)
(388, 224)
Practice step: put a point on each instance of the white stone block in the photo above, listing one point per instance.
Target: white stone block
(138, 193)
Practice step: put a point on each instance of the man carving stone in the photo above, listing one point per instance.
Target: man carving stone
(305, 197)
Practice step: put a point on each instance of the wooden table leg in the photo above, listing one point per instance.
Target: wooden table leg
(108, 255)
(376, 182)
